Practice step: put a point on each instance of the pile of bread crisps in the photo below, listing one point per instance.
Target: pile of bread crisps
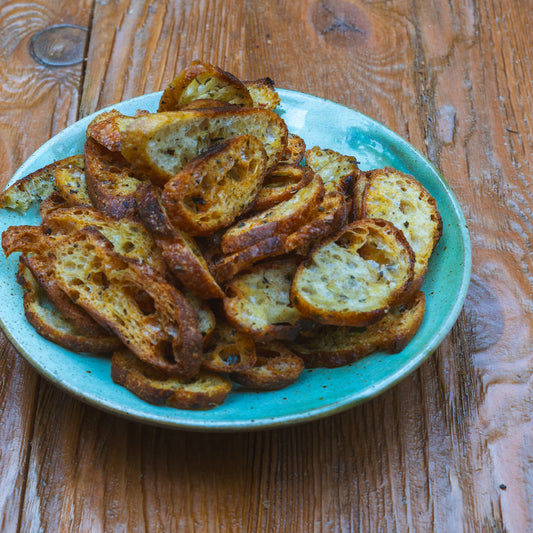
(205, 247)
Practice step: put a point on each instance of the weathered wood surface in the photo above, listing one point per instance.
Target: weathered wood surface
(449, 448)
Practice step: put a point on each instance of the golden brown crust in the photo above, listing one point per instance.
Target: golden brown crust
(111, 184)
(228, 349)
(107, 127)
(335, 346)
(204, 391)
(225, 267)
(276, 367)
(283, 218)
(280, 184)
(25, 239)
(400, 198)
(150, 316)
(330, 217)
(53, 325)
(263, 93)
(258, 301)
(35, 186)
(211, 191)
(202, 81)
(41, 270)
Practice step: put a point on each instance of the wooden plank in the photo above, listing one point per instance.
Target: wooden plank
(35, 103)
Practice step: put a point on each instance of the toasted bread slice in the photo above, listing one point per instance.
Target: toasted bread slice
(180, 251)
(295, 151)
(206, 316)
(107, 127)
(150, 316)
(263, 93)
(283, 218)
(202, 81)
(53, 326)
(111, 183)
(128, 236)
(41, 270)
(25, 239)
(330, 217)
(228, 350)
(213, 189)
(258, 301)
(276, 367)
(71, 185)
(355, 276)
(35, 186)
(398, 197)
(338, 171)
(204, 391)
(161, 144)
(280, 184)
(334, 346)
(225, 267)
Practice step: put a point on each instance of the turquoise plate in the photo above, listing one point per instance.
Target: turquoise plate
(319, 392)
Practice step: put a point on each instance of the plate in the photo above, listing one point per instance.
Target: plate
(318, 392)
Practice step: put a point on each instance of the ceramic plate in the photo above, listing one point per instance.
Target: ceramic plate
(319, 392)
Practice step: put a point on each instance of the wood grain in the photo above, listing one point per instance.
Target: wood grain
(449, 448)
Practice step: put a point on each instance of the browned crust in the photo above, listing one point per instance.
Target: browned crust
(295, 151)
(174, 97)
(330, 218)
(106, 129)
(80, 319)
(335, 346)
(228, 349)
(188, 265)
(217, 186)
(275, 221)
(204, 391)
(179, 250)
(35, 186)
(226, 267)
(276, 368)
(280, 184)
(111, 184)
(25, 239)
(54, 327)
(174, 323)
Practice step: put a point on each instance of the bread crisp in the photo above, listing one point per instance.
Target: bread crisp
(107, 127)
(204, 391)
(111, 184)
(258, 301)
(161, 144)
(398, 197)
(334, 346)
(35, 186)
(72, 186)
(200, 81)
(282, 218)
(214, 188)
(355, 276)
(53, 326)
(276, 367)
(150, 316)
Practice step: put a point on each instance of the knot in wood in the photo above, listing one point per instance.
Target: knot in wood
(61, 45)
(340, 23)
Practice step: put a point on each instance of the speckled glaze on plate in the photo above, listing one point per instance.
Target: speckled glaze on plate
(319, 392)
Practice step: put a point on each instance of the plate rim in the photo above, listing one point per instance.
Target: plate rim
(339, 405)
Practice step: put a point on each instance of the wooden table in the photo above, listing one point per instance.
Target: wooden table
(450, 448)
